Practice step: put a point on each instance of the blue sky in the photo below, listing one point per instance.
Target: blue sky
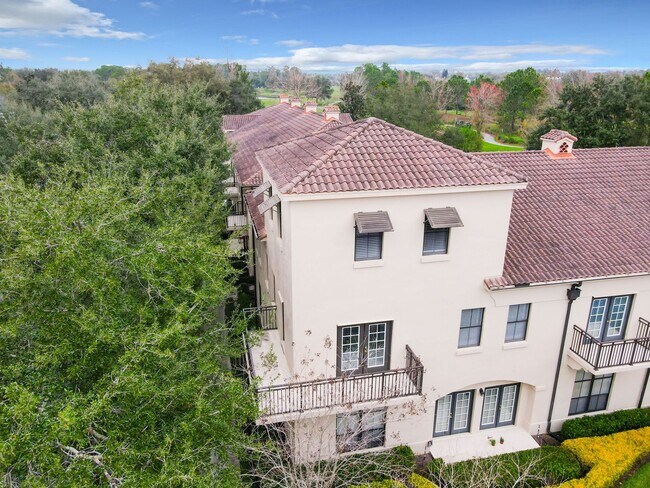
(329, 35)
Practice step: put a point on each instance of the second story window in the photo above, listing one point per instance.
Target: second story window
(517, 322)
(369, 234)
(435, 240)
(608, 317)
(437, 225)
(471, 323)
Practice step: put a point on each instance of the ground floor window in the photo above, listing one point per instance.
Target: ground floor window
(499, 406)
(453, 413)
(360, 430)
(590, 393)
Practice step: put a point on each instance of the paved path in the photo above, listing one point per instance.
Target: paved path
(490, 138)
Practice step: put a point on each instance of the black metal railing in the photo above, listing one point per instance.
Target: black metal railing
(236, 218)
(600, 354)
(263, 317)
(343, 390)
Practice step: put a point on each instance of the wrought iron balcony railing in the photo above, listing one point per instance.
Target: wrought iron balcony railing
(343, 390)
(606, 354)
(263, 317)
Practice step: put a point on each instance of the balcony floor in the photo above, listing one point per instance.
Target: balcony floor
(269, 362)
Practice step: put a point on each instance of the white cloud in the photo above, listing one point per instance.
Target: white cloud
(469, 58)
(13, 53)
(260, 11)
(76, 59)
(149, 5)
(241, 39)
(292, 43)
(58, 17)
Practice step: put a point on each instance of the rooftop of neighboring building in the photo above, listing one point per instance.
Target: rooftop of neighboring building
(579, 218)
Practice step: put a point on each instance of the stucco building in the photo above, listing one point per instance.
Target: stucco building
(411, 293)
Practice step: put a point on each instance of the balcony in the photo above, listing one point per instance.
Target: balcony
(236, 218)
(598, 356)
(263, 318)
(297, 397)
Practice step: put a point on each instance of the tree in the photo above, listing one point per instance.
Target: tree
(113, 359)
(108, 72)
(322, 88)
(609, 111)
(444, 74)
(464, 138)
(483, 100)
(44, 89)
(353, 101)
(458, 88)
(523, 90)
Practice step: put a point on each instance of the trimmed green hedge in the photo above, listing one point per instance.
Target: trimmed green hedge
(554, 465)
(606, 423)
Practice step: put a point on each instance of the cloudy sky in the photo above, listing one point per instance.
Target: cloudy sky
(329, 35)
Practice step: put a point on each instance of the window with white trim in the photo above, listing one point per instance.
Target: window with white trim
(608, 317)
(360, 430)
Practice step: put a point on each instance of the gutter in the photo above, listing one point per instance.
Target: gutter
(572, 294)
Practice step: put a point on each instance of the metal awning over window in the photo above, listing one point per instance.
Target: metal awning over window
(370, 222)
(442, 218)
(261, 189)
(267, 204)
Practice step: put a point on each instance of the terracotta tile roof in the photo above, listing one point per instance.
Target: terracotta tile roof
(372, 154)
(579, 218)
(557, 135)
(234, 122)
(258, 219)
(345, 118)
(272, 125)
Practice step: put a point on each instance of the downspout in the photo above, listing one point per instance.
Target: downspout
(572, 294)
(645, 384)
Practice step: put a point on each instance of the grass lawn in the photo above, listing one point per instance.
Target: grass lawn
(640, 479)
(267, 102)
(488, 147)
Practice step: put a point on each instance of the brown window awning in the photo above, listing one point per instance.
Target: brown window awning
(442, 218)
(369, 222)
(261, 189)
(267, 204)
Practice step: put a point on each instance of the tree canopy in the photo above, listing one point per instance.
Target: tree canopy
(523, 91)
(114, 348)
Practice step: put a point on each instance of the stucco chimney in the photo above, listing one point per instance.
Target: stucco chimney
(310, 106)
(284, 98)
(558, 143)
(331, 112)
(295, 102)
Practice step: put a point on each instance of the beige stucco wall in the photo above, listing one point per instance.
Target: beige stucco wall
(322, 288)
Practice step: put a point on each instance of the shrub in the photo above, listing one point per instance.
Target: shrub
(464, 138)
(609, 457)
(397, 463)
(606, 424)
(417, 481)
(509, 138)
(381, 484)
(536, 467)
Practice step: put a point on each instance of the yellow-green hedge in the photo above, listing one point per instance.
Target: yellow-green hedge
(609, 457)
(418, 481)
(414, 480)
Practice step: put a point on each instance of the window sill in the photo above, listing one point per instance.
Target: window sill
(465, 351)
(435, 258)
(371, 263)
(514, 345)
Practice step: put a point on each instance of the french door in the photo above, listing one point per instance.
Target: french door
(364, 348)
(608, 317)
(453, 413)
(499, 406)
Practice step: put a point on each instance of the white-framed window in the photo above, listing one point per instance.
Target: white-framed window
(360, 430)
(471, 324)
(517, 325)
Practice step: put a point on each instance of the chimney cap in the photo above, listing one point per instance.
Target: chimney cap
(556, 135)
(331, 108)
(283, 95)
(311, 102)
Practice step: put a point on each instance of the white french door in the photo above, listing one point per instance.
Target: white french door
(453, 413)
(499, 406)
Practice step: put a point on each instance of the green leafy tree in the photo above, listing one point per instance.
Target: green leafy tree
(458, 88)
(523, 92)
(464, 138)
(108, 72)
(353, 101)
(44, 89)
(322, 87)
(113, 358)
(609, 111)
(377, 77)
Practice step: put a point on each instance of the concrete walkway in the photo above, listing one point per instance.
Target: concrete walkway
(490, 138)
